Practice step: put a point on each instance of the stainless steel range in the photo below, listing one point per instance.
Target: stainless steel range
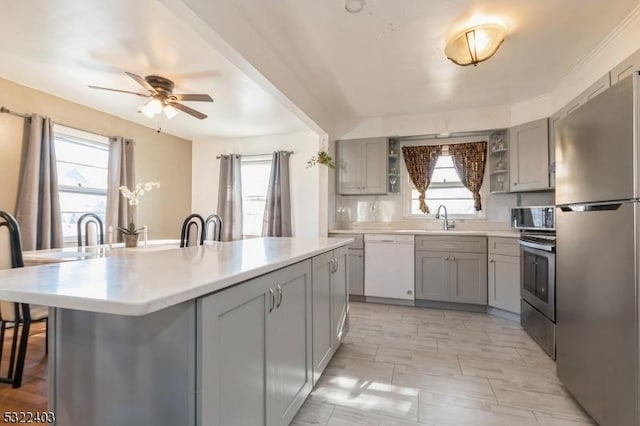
(537, 273)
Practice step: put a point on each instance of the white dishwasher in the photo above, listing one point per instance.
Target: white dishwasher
(388, 266)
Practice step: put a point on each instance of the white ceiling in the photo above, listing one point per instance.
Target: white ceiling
(62, 46)
(387, 60)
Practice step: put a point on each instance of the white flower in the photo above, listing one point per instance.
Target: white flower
(133, 196)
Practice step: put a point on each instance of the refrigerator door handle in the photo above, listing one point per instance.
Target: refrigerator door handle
(591, 207)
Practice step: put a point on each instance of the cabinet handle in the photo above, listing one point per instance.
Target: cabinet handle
(272, 300)
(279, 296)
(491, 260)
(515, 183)
(453, 259)
(446, 258)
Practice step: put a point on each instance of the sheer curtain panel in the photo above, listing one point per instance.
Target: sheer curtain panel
(121, 172)
(277, 209)
(230, 197)
(38, 203)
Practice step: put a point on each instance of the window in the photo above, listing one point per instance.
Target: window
(255, 173)
(82, 161)
(445, 188)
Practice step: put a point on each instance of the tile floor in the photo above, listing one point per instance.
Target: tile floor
(408, 366)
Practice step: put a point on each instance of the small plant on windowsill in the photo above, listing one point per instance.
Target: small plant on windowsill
(131, 233)
(322, 157)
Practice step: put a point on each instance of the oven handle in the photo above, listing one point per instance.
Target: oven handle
(536, 246)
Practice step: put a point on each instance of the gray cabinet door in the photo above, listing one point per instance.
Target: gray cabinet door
(231, 355)
(504, 282)
(356, 272)
(349, 167)
(340, 281)
(432, 275)
(289, 332)
(529, 154)
(553, 125)
(323, 346)
(468, 278)
(374, 166)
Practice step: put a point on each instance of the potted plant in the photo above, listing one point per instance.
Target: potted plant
(131, 232)
(322, 157)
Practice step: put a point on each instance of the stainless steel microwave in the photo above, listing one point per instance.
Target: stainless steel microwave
(536, 218)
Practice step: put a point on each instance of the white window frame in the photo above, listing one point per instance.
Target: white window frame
(406, 186)
(266, 159)
(79, 137)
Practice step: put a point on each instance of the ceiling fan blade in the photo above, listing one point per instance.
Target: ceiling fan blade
(119, 91)
(141, 81)
(193, 98)
(190, 111)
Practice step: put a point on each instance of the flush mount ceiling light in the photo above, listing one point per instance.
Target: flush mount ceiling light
(475, 44)
(354, 6)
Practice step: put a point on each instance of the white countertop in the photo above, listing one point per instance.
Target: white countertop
(440, 232)
(142, 282)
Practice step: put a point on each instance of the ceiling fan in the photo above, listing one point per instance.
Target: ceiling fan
(160, 90)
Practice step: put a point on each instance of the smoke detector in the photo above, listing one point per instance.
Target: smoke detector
(354, 6)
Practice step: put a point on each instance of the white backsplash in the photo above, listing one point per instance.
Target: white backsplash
(386, 211)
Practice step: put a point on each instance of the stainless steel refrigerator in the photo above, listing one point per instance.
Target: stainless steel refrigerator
(597, 267)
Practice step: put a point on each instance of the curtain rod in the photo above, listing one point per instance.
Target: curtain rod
(255, 155)
(17, 114)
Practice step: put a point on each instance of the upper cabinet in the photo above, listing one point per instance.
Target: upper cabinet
(362, 166)
(626, 67)
(529, 156)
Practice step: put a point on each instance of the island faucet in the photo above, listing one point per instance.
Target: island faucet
(446, 217)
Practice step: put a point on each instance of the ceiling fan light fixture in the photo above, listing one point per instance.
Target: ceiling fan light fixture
(151, 108)
(170, 111)
(475, 45)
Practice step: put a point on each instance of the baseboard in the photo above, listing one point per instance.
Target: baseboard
(451, 306)
(503, 314)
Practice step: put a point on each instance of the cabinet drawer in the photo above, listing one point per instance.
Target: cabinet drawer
(357, 244)
(504, 246)
(461, 244)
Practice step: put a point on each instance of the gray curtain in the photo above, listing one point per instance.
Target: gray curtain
(121, 172)
(38, 204)
(277, 209)
(230, 197)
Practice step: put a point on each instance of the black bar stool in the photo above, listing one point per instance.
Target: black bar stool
(213, 228)
(86, 221)
(193, 231)
(18, 315)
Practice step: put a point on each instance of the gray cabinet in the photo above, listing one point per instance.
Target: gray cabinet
(362, 166)
(451, 269)
(504, 274)
(356, 272)
(529, 156)
(330, 306)
(254, 350)
(626, 67)
(355, 260)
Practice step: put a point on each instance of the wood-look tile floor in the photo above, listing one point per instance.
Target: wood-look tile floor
(405, 366)
(408, 366)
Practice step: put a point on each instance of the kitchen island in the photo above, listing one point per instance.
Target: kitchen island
(230, 333)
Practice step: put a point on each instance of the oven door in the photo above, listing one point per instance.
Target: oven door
(537, 277)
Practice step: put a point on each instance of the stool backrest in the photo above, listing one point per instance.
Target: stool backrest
(90, 230)
(193, 231)
(213, 228)
(10, 242)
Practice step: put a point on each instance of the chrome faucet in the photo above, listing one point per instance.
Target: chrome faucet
(446, 217)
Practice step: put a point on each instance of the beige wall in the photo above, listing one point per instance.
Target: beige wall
(308, 185)
(159, 157)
